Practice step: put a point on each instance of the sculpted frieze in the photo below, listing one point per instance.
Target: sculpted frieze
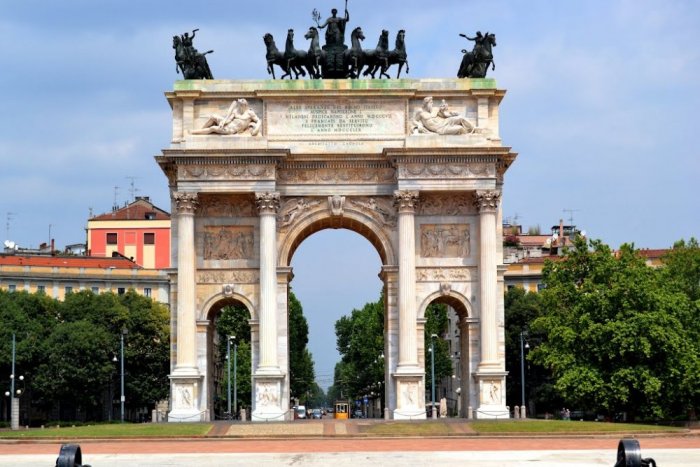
(226, 172)
(440, 204)
(227, 242)
(442, 274)
(356, 175)
(444, 240)
(447, 170)
(379, 208)
(228, 277)
(226, 206)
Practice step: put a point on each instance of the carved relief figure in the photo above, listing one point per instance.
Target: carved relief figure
(292, 208)
(228, 243)
(184, 397)
(442, 122)
(410, 394)
(265, 395)
(240, 119)
(445, 240)
(380, 208)
(336, 203)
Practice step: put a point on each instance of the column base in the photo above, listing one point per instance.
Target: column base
(492, 394)
(185, 398)
(267, 406)
(410, 390)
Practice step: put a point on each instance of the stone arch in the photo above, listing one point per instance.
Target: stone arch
(220, 300)
(353, 220)
(456, 300)
(207, 324)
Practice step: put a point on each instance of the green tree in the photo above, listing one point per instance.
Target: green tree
(615, 339)
(234, 320)
(301, 364)
(437, 323)
(360, 340)
(66, 349)
(521, 310)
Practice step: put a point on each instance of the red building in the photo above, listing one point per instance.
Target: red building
(139, 231)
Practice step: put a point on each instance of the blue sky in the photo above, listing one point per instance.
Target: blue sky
(601, 107)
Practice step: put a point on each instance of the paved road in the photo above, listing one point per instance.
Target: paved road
(594, 451)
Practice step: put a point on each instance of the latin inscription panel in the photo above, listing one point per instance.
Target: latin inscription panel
(336, 117)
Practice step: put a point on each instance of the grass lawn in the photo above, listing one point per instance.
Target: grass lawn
(115, 430)
(442, 428)
(561, 426)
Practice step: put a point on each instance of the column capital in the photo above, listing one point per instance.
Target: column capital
(406, 201)
(186, 202)
(487, 200)
(268, 202)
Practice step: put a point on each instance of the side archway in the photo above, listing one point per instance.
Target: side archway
(455, 388)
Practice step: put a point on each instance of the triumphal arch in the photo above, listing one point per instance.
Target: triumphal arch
(414, 166)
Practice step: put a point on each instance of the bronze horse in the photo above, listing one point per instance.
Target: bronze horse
(476, 63)
(191, 63)
(398, 56)
(274, 56)
(377, 58)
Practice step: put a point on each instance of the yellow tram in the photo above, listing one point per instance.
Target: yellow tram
(341, 410)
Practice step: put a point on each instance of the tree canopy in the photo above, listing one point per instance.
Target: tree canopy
(618, 336)
(69, 351)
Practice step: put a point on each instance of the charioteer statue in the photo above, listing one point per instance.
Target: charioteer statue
(333, 58)
(476, 63)
(188, 60)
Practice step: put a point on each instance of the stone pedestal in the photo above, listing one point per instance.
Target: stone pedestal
(268, 398)
(184, 400)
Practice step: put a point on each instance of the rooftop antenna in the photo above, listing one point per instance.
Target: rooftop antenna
(10, 216)
(132, 187)
(571, 215)
(116, 194)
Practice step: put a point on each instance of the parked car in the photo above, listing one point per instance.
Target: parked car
(358, 414)
(300, 411)
(317, 414)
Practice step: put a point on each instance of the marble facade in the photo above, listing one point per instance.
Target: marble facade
(337, 154)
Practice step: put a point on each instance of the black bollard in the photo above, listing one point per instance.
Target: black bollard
(70, 456)
(629, 454)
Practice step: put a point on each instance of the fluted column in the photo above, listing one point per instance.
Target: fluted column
(406, 202)
(186, 205)
(487, 204)
(268, 204)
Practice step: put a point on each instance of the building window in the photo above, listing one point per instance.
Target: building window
(41, 288)
(540, 287)
(147, 291)
(69, 289)
(111, 239)
(121, 290)
(95, 290)
(149, 239)
(12, 287)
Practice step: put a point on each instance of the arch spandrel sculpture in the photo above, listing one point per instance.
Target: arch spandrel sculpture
(337, 154)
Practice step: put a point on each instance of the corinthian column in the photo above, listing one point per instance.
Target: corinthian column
(487, 204)
(186, 362)
(406, 202)
(268, 204)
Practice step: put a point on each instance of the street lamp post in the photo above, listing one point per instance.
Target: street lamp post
(523, 345)
(432, 372)
(235, 388)
(123, 398)
(14, 410)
